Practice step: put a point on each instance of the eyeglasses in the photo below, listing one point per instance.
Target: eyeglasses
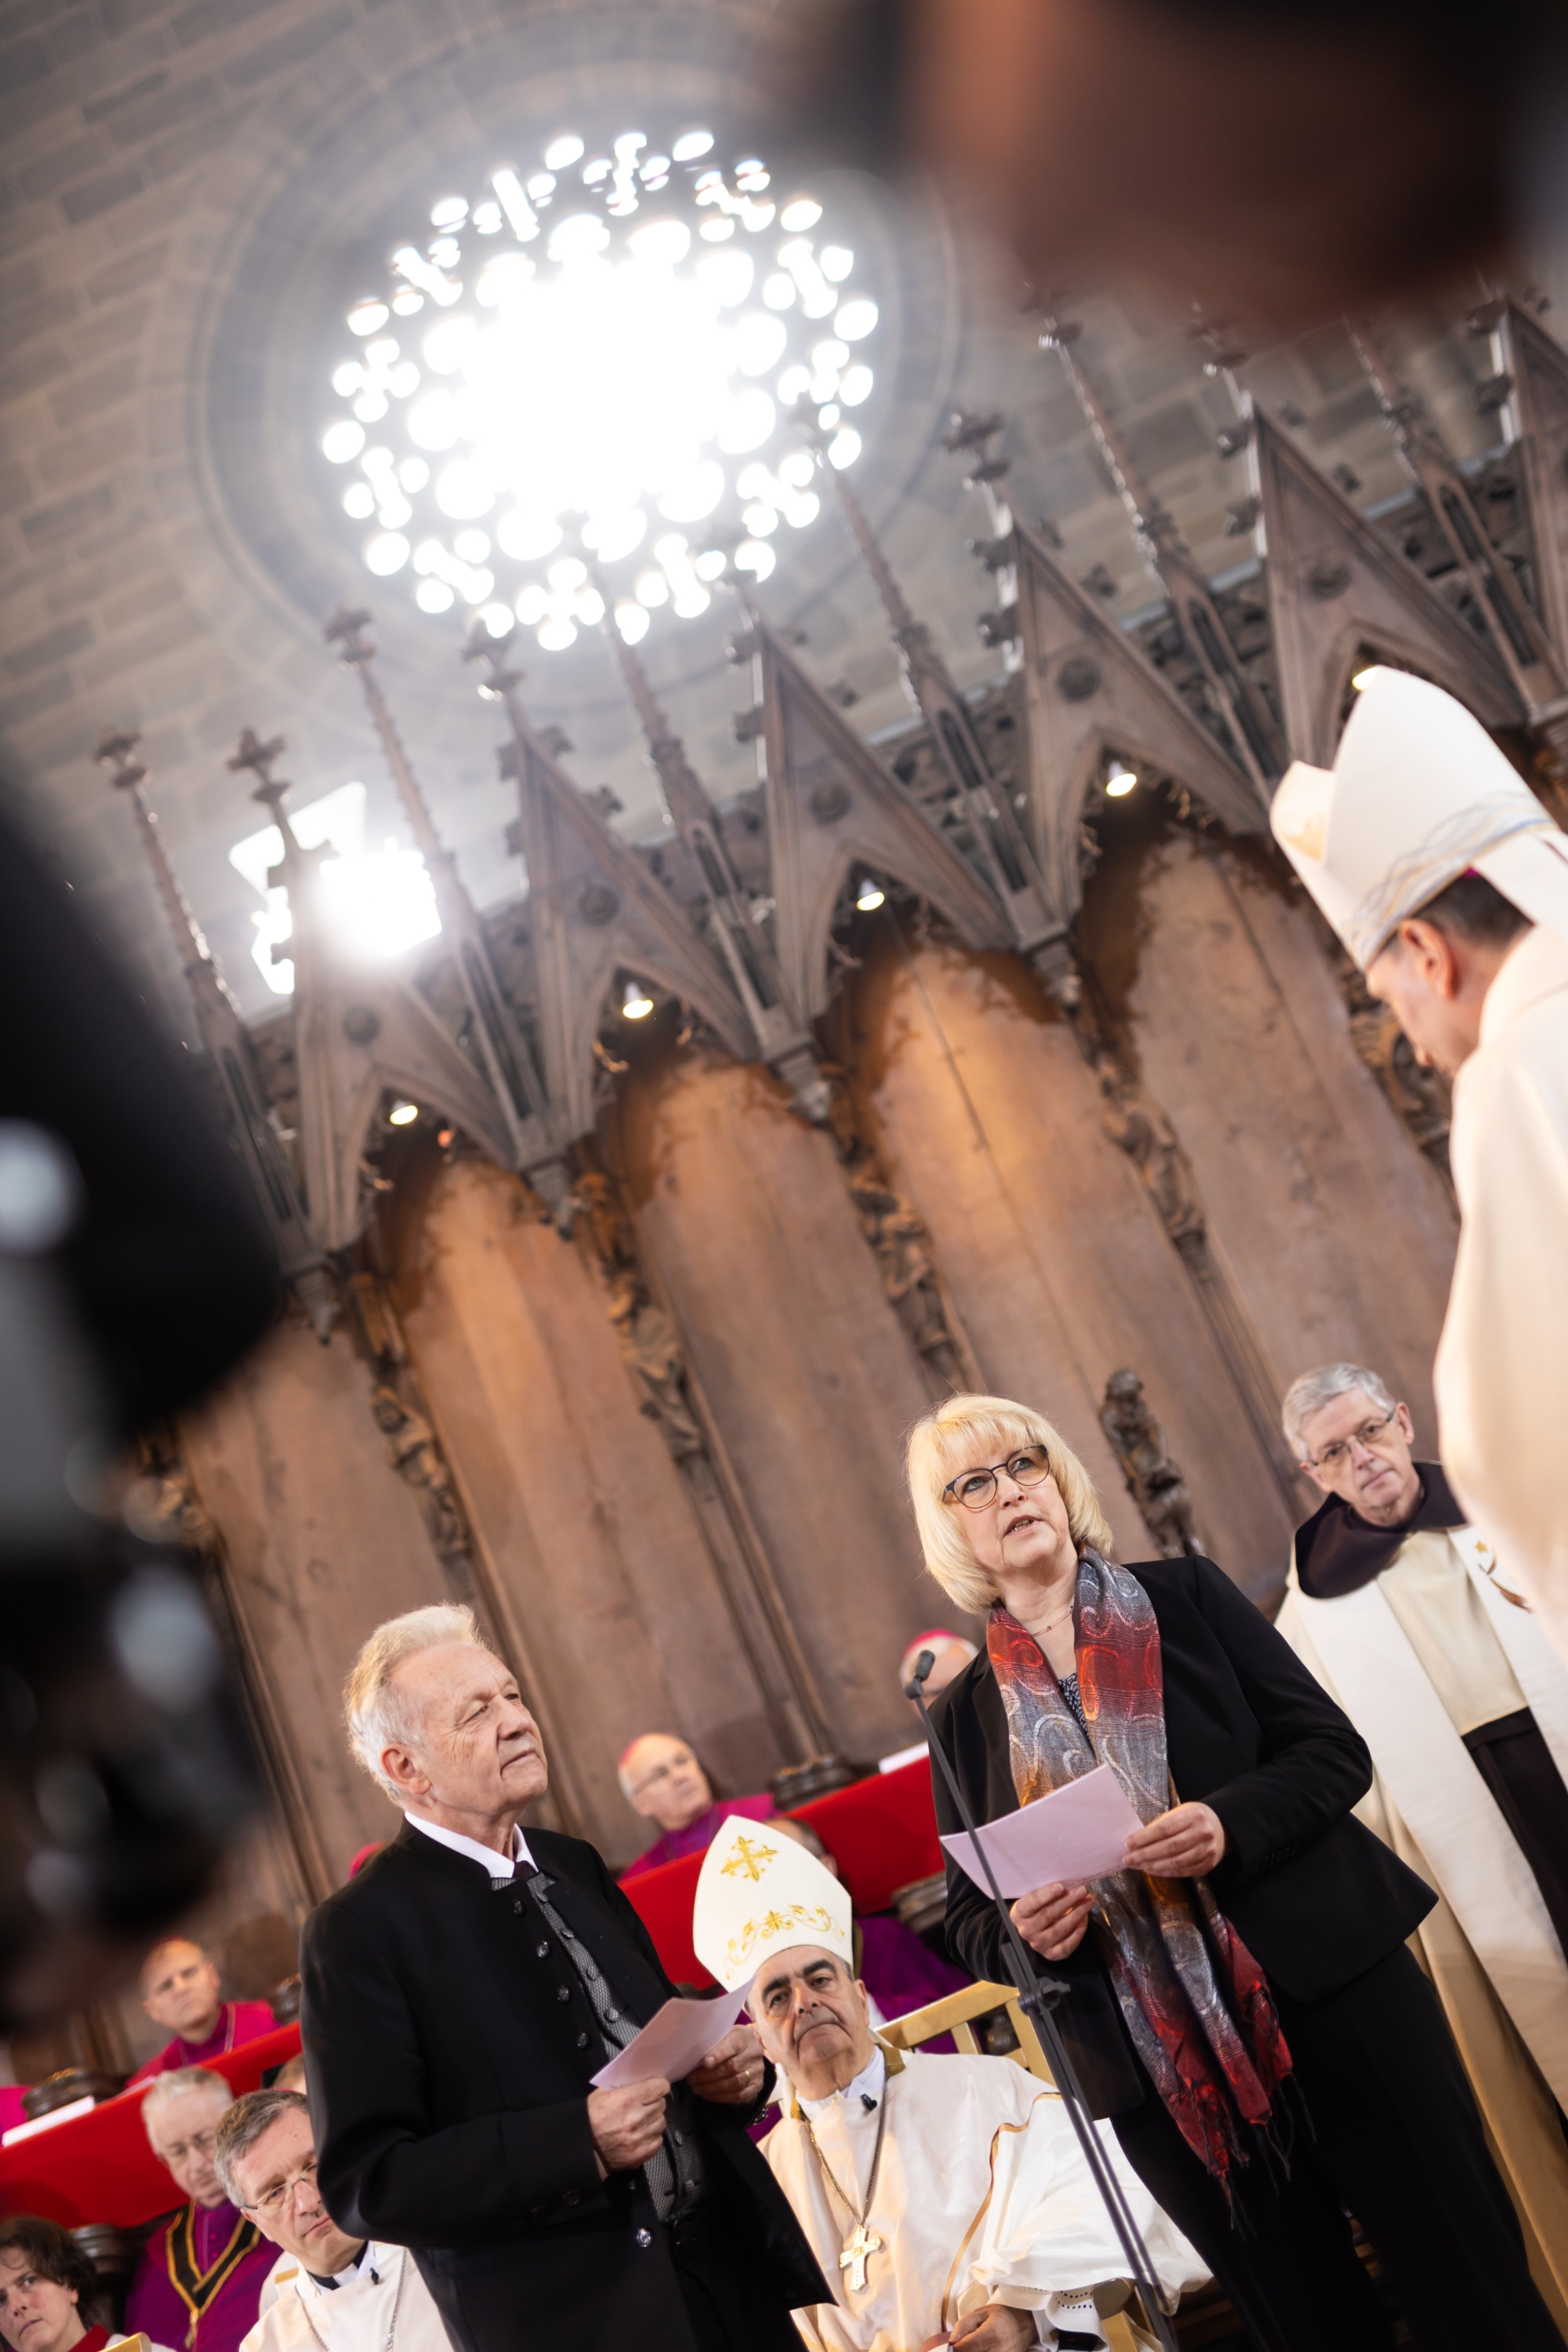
(273, 2199)
(683, 1763)
(174, 2151)
(1339, 1450)
(976, 1489)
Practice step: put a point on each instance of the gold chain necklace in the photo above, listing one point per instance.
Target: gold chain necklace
(862, 2242)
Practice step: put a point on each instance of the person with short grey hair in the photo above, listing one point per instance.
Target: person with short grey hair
(327, 2292)
(1403, 1614)
(462, 1996)
(199, 2281)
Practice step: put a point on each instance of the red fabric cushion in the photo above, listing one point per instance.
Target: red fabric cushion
(99, 2167)
(881, 1832)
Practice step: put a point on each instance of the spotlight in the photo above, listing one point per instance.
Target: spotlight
(402, 1114)
(1119, 780)
(869, 896)
(637, 1003)
(1363, 678)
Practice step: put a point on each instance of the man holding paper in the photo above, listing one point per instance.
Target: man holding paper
(461, 1995)
(1239, 1995)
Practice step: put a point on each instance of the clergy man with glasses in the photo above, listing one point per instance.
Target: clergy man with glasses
(1406, 1617)
(327, 2292)
(198, 2283)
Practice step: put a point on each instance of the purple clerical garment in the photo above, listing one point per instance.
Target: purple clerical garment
(700, 1834)
(199, 2285)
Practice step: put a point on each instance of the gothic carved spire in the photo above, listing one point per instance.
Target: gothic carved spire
(231, 1057)
(358, 1035)
(1336, 588)
(594, 909)
(833, 804)
(504, 1051)
(1238, 702)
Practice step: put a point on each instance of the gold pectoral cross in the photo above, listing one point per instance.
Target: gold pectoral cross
(858, 2251)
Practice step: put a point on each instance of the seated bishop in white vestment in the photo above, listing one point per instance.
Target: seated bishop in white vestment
(945, 2196)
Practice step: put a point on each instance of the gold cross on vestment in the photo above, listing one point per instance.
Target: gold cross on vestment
(858, 2251)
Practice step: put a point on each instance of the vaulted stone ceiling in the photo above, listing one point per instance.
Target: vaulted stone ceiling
(194, 189)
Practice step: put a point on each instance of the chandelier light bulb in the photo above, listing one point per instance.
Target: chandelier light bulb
(1118, 780)
(637, 1003)
(594, 343)
(869, 896)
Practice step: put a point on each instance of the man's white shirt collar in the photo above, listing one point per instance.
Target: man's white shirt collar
(868, 2083)
(500, 1869)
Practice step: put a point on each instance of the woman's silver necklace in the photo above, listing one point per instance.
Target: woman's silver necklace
(396, 2307)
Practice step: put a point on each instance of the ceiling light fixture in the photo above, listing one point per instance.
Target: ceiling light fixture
(1363, 678)
(637, 1003)
(613, 346)
(402, 1114)
(1118, 780)
(869, 896)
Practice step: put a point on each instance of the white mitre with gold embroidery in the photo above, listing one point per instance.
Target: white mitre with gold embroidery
(1418, 795)
(759, 1893)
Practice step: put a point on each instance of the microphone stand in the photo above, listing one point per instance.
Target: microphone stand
(1037, 1998)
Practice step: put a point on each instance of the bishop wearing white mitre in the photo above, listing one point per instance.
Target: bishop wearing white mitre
(945, 2196)
(1449, 883)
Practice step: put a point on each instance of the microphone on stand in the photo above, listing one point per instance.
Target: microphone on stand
(1037, 1998)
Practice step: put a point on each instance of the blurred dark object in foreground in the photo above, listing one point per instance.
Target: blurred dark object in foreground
(1279, 161)
(132, 1272)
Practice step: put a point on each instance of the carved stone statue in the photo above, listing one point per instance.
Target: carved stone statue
(902, 1249)
(1421, 1097)
(1153, 1480)
(652, 1352)
(416, 1456)
(1136, 1125)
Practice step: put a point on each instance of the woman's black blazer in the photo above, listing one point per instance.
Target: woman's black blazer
(1313, 1894)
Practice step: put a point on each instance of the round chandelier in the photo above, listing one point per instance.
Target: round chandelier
(585, 386)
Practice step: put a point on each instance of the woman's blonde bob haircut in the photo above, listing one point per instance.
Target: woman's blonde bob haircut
(963, 1435)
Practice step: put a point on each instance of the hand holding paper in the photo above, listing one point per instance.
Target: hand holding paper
(1076, 1834)
(672, 2042)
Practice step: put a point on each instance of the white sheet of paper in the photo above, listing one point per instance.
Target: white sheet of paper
(1075, 1833)
(674, 2040)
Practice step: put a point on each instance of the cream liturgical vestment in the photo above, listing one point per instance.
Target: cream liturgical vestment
(1501, 1378)
(380, 2305)
(1418, 795)
(982, 2196)
(1421, 1654)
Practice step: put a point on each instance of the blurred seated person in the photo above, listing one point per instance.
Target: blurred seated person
(946, 2197)
(46, 2284)
(329, 2291)
(181, 1991)
(662, 1780)
(198, 2283)
(950, 1652)
(290, 2076)
(899, 1972)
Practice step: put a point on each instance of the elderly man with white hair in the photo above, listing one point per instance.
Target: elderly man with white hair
(1449, 883)
(461, 1994)
(946, 2196)
(198, 2283)
(1398, 1608)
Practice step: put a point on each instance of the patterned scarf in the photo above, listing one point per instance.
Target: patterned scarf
(1196, 2003)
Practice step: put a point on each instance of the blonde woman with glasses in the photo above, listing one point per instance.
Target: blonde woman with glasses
(1240, 2001)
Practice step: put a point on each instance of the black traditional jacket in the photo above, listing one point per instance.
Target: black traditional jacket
(449, 2044)
(1313, 1894)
